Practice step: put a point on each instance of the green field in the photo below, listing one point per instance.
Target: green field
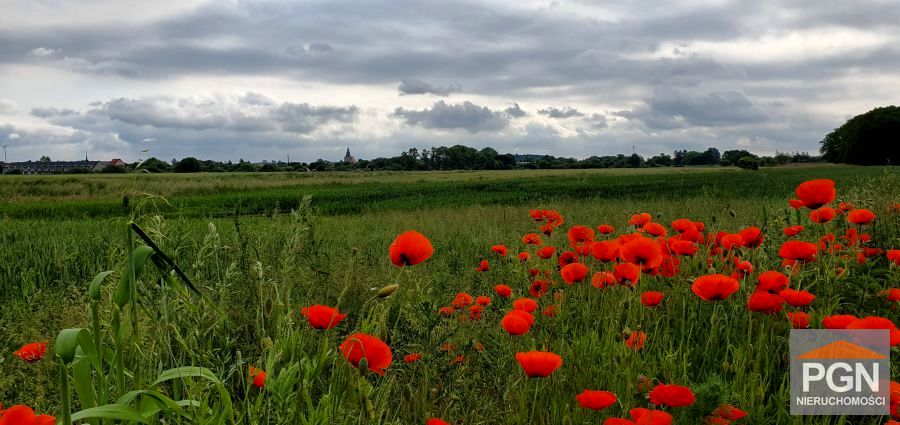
(257, 253)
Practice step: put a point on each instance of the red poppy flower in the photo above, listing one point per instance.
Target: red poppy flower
(671, 395)
(525, 304)
(681, 247)
(822, 215)
(795, 204)
(596, 400)
(605, 229)
(436, 421)
(772, 281)
(714, 287)
(501, 250)
(729, 413)
(627, 273)
(532, 239)
(845, 206)
(377, 354)
(765, 302)
(483, 300)
(652, 298)
(639, 220)
(412, 358)
(524, 256)
(503, 291)
(644, 252)
(475, 312)
(483, 266)
(682, 225)
(32, 352)
(838, 321)
(731, 241)
(642, 416)
(860, 216)
(636, 340)
(549, 311)
(794, 251)
(539, 288)
(815, 193)
(23, 415)
(580, 234)
(892, 295)
(568, 257)
(322, 317)
(752, 237)
(546, 252)
(258, 376)
(461, 300)
(603, 279)
(799, 319)
(655, 229)
(792, 230)
(893, 255)
(875, 322)
(410, 248)
(574, 273)
(528, 317)
(539, 364)
(605, 251)
(795, 298)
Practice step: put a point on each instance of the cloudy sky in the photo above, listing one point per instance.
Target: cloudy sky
(266, 79)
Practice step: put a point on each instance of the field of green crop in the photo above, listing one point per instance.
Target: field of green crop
(255, 249)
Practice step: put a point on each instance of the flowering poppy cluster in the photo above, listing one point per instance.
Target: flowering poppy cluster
(599, 256)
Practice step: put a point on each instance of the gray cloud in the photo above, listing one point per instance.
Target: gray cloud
(414, 86)
(467, 116)
(52, 112)
(672, 109)
(515, 111)
(566, 112)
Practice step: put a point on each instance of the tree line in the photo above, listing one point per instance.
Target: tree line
(459, 157)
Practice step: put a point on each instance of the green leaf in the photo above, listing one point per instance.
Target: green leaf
(138, 259)
(111, 411)
(96, 283)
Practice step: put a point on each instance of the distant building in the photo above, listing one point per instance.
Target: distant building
(349, 159)
(50, 167)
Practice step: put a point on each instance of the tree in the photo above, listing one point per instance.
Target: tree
(188, 165)
(45, 158)
(872, 138)
(748, 163)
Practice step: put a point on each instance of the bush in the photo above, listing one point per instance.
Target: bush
(113, 169)
(748, 163)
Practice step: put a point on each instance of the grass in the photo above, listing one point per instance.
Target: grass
(255, 271)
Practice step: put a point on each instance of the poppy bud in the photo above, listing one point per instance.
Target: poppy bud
(363, 366)
(387, 291)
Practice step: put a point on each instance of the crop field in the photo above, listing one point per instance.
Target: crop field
(465, 297)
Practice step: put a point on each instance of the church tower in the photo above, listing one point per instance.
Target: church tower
(348, 158)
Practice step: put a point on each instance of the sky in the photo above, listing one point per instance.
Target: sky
(264, 80)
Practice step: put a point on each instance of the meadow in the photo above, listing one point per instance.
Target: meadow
(149, 344)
